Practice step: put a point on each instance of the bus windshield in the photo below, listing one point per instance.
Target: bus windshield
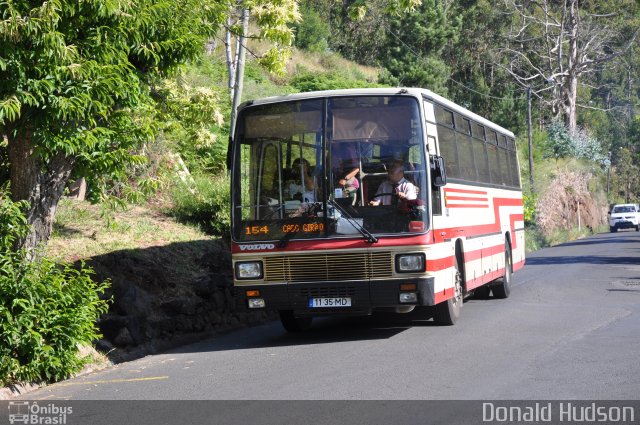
(329, 167)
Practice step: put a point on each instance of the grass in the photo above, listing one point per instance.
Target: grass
(534, 240)
(80, 231)
(561, 236)
(329, 62)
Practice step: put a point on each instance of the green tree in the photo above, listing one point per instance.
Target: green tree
(357, 28)
(626, 182)
(74, 78)
(413, 50)
(313, 31)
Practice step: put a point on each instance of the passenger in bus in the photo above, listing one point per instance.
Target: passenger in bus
(302, 186)
(395, 188)
(346, 168)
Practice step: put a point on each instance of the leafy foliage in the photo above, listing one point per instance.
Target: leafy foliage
(312, 32)
(308, 81)
(75, 77)
(208, 205)
(626, 181)
(562, 143)
(46, 310)
(529, 203)
(415, 42)
(189, 116)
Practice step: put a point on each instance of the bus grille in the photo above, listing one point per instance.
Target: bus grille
(328, 267)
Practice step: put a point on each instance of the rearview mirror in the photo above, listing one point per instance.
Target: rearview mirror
(438, 171)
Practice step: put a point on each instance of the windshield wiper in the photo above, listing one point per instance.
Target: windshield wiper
(368, 236)
(306, 215)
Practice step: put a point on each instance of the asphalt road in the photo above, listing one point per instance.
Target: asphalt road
(570, 330)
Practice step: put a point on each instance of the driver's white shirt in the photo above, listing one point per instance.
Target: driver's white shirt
(404, 186)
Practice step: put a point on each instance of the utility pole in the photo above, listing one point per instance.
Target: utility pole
(609, 176)
(529, 139)
(239, 80)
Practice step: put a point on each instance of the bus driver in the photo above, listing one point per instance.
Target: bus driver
(396, 187)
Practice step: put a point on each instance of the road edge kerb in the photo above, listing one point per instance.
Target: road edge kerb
(7, 393)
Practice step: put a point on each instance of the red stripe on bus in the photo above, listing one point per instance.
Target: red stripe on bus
(320, 245)
(472, 255)
(443, 296)
(466, 198)
(441, 235)
(467, 205)
(437, 264)
(484, 252)
(478, 192)
(518, 265)
(479, 281)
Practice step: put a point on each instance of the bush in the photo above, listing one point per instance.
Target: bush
(529, 203)
(312, 32)
(562, 143)
(308, 81)
(207, 205)
(533, 239)
(47, 310)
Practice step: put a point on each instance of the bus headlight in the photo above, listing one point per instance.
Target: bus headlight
(249, 270)
(410, 263)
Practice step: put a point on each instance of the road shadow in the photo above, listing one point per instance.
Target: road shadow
(587, 259)
(602, 241)
(325, 330)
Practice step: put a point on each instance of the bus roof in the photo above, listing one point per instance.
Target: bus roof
(415, 92)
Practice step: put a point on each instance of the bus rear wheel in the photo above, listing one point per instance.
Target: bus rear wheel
(502, 288)
(482, 293)
(292, 323)
(447, 313)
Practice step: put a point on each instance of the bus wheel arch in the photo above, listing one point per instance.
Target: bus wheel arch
(460, 266)
(447, 312)
(502, 288)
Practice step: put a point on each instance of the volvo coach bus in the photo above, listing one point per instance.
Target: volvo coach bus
(349, 201)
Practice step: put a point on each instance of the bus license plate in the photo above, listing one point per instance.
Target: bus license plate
(329, 302)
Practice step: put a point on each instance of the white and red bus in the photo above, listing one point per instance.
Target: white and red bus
(307, 240)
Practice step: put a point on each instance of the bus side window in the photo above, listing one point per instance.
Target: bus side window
(447, 144)
(465, 157)
(436, 200)
(494, 163)
(482, 161)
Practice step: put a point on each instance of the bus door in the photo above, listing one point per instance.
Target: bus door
(269, 190)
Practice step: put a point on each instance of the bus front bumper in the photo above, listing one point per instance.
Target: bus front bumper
(351, 298)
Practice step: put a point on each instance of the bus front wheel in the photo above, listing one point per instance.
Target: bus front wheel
(502, 289)
(448, 312)
(294, 324)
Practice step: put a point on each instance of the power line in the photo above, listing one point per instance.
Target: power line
(477, 92)
(417, 56)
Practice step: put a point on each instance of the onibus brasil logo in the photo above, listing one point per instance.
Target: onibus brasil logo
(26, 412)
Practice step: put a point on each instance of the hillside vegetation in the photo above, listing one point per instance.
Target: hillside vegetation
(136, 100)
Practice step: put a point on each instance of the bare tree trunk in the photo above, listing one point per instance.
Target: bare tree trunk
(231, 64)
(39, 183)
(571, 98)
(240, 53)
(571, 80)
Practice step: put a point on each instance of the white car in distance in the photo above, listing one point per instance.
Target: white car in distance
(624, 216)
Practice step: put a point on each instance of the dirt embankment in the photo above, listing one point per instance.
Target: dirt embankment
(568, 203)
(158, 304)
